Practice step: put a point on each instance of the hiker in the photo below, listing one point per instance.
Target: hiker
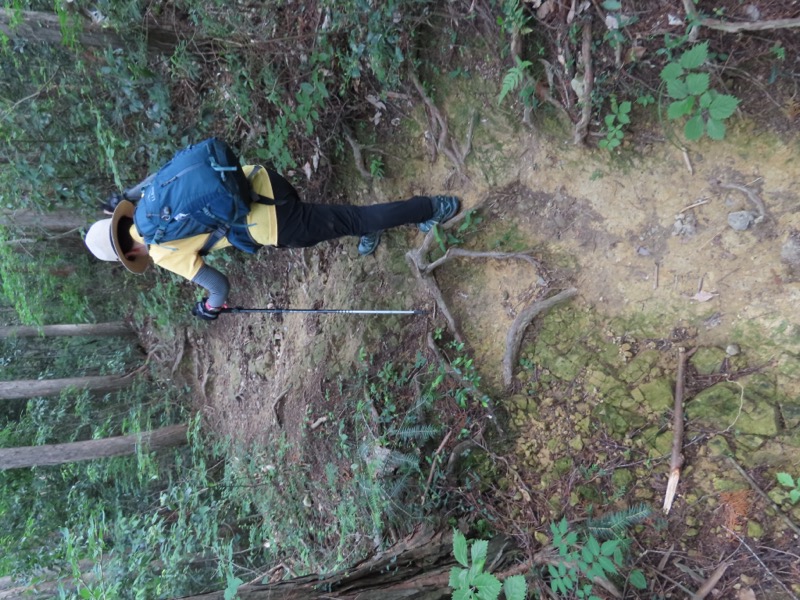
(276, 218)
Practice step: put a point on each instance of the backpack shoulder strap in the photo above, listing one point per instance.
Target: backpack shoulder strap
(255, 196)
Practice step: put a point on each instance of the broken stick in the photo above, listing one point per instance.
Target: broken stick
(676, 462)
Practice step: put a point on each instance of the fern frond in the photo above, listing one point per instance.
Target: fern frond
(513, 78)
(613, 525)
(420, 433)
(401, 459)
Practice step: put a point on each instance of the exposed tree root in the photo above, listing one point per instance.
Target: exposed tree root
(357, 156)
(445, 144)
(728, 27)
(517, 330)
(582, 128)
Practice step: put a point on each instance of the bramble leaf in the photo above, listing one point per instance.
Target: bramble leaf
(479, 548)
(694, 57)
(488, 586)
(460, 548)
(697, 83)
(722, 106)
(515, 587)
(715, 129)
(677, 88)
(671, 72)
(693, 130)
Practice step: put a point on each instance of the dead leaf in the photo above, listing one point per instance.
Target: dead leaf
(635, 54)
(703, 296)
(746, 594)
(545, 9)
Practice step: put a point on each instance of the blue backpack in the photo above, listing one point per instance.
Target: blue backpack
(202, 190)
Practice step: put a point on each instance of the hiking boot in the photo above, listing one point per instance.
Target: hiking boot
(444, 208)
(368, 243)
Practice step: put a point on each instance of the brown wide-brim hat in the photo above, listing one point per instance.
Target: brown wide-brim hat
(102, 239)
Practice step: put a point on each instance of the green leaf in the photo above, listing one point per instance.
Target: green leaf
(694, 57)
(794, 496)
(458, 578)
(638, 580)
(587, 554)
(460, 548)
(85, 593)
(608, 566)
(697, 83)
(608, 548)
(593, 545)
(785, 480)
(563, 525)
(479, 548)
(612, 5)
(624, 118)
(715, 129)
(233, 586)
(676, 109)
(609, 120)
(671, 72)
(722, 106)
(625, 107)
(463, 594)
(693, 130)
(488, 586)
(515, 588)
(705, 100)
(677, 88)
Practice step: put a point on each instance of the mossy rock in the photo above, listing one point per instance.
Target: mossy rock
(708, 360)
(640, 366)
(657, 395)
(618, 421)
(718, 446)
(723, 405)
(621, 478)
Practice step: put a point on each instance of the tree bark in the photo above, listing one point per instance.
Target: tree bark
(45, 27)
(86, 330)
(58, 454)
(417, 568)
(57, 221)
(33, 388)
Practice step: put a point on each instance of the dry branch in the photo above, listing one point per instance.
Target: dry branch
(676, 461)
(728, 27)
(751, 195)
(582, 127)
(709, 583)
(357, 157)
(515, 333)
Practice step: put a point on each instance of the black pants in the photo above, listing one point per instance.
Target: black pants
(301, 225)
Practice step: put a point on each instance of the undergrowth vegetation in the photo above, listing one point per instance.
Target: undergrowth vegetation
(289, 84)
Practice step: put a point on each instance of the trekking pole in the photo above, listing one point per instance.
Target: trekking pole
(329, 311)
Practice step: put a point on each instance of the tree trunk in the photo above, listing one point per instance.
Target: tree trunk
(417, 568)
(87, 330)
(45, 27)
(33, 388)
(57, 221)
(58, 454)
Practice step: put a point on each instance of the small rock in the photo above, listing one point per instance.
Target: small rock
(790, 251)
(732, 349)
(741, 220)
(752, 12)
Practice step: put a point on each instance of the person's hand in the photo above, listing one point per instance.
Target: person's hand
(203, 311)
(111, 203)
